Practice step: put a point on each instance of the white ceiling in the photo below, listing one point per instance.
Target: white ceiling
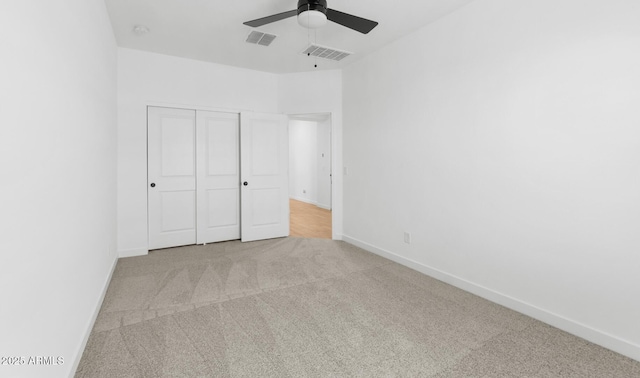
(212, 30)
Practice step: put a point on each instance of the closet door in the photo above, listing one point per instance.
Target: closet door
(264, 174)
(171, 177)
(218, 176)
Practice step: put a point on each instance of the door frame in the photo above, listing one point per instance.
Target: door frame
(336, 173)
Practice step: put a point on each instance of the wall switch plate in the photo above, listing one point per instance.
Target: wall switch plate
(407, 237)
(346, 171)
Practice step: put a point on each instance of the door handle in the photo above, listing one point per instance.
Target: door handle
(153, 184)
(245, 183)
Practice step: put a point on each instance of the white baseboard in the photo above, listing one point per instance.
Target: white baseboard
(92, 321)
(133, 252)
(305, 200)
(586, 332)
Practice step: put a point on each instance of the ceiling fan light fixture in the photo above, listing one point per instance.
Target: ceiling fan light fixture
(314, 14)
(312, 19)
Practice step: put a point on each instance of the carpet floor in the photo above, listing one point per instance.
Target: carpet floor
(316, 308)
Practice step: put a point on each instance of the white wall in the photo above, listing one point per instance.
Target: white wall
(58, 164)
(303, 161)
(312, 93)
(153, 79)
(505, 139)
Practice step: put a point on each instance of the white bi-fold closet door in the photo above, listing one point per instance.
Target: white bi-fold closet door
(215, 176)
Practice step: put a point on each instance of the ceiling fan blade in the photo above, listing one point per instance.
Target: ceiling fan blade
(352, 22)
(269, 19)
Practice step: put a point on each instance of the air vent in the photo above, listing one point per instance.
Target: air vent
(260, 38)
(326, 52)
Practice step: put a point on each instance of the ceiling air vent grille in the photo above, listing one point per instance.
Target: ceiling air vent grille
(326, 52)
(260, 38)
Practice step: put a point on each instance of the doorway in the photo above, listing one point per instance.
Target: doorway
(310, 175)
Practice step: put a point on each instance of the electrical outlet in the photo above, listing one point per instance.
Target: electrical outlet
(407, 237)
(304, 191)
(346, 171)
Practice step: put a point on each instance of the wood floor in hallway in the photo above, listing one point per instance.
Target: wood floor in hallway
(309, 221)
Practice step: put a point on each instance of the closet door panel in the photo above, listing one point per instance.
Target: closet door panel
(171, 177)
(218, 180)
(265, 177)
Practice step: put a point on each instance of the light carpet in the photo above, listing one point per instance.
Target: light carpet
(316, 308)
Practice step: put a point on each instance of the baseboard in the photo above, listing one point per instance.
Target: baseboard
(322, 206)
(133, 252)
(305, 200)
(311, 202)
(595, 336)
(92, 321)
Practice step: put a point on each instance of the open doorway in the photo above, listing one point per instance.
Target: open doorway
(310, 175)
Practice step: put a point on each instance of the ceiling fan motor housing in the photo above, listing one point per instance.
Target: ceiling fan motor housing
(311, 5)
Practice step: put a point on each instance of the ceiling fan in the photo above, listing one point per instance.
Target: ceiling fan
(314, 14)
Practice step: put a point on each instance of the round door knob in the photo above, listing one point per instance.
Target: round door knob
(245, 183)
(153, 184)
